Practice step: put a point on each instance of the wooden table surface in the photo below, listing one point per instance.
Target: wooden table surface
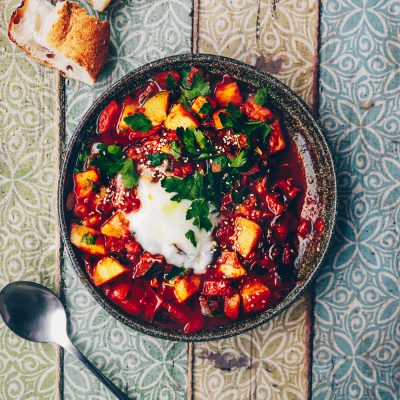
(339, 341)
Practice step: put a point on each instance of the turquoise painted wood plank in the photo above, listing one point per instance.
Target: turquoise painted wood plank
(357, 342)
(145, 367)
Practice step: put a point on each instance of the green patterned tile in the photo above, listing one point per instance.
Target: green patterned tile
(29, 143)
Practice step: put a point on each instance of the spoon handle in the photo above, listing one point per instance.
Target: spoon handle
(69, 346)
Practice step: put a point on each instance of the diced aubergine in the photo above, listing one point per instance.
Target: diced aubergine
(180, 117)
(87, 239)
(107, 269)
(247, 235)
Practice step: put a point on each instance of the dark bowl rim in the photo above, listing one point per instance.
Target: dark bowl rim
(235, 328)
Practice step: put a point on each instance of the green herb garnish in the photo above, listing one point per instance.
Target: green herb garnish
(156, 159)
(199, 87)
(261, 97)
(88, 239)
(170, 82)
(196, 143)
(191, 236)
(175, 149)
(111, 160)
(138, 122)
(175, 272)
(206, 108)
(240, 160)
(199, 211)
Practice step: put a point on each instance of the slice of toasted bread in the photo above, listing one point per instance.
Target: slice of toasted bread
(62, 36)
(99, 5)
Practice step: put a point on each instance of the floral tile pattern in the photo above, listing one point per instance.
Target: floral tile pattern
(29, 156)
(141, 31)
(357, 337)
(270, 362)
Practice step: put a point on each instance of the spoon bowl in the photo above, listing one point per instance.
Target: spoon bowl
(35, 313)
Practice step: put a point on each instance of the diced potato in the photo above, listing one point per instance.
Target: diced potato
(117, 226)
(217, 120)
(255, 296)
(107, 269)
(229, 265)
(155, 108)
(276, 139)
(186, 287)
(232, 306)
(129, 107)
(199, 102)
(86, 239)
(180, 117)
(247, 235)
(84, 182)
(228, 93)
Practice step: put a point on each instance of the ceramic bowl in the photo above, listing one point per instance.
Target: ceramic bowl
(300, 126)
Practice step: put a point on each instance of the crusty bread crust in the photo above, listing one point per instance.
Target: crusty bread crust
(80, 37)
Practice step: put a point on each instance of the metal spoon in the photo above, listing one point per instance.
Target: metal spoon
(35, 313)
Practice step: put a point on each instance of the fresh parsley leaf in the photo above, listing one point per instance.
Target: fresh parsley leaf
(233, 111)
(175, 272)
(222, 161)
(199, 211)
(111, 160)
(228, 119)
(170, 82)
(261, 97)
(199, 87)
(83, 157)
(240, 160)
(88, 239)
(156, 159)
(184, 102)
(138, 122)
(184, 72)
(206, 108)
(191, 187)
(196, 143)
(129, 174)
(175, 149)
(191, 236)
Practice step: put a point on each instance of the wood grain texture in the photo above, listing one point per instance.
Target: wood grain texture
(29, 164)
(271, 362)
(145, 367)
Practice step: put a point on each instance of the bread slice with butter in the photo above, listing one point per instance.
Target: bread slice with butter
(63, 36)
